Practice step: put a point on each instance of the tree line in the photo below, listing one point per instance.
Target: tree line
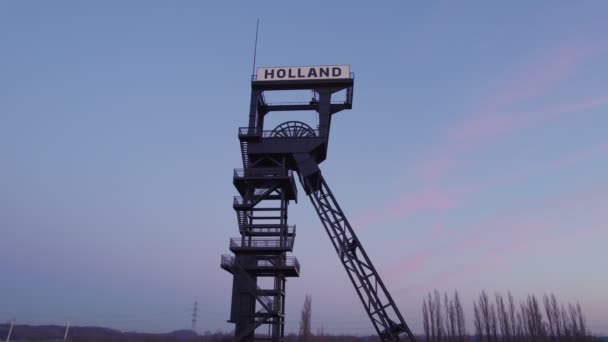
(501, 319)
(494, 319)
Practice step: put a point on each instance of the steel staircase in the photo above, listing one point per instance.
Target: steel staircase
(244, 155)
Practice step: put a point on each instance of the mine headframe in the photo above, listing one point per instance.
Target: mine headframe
(269, 158)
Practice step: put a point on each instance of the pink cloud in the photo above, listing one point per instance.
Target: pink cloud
(476, 236)
(536, 78)
(428, 199)
(408, 263)
(492, 128)
(431, 235)
(435, 198)
(514, 176)
(489, 261)
(528, 235)
(535, 224)
(496, 116)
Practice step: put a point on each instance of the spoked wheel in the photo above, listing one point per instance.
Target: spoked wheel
(292, 129)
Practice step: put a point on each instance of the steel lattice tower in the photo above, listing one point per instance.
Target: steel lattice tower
(266, 186)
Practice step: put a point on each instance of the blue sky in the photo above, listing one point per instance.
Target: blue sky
(474, 157)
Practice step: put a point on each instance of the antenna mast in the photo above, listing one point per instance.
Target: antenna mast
(255, 47)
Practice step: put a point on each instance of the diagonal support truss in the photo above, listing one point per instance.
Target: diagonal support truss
(377, 301)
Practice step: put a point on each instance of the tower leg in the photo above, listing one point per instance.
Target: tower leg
(376, 299)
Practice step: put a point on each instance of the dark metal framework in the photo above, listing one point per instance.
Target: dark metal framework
(266, 185)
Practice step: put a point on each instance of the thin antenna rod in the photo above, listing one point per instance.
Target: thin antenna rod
(67, 328)
(255, 47)
(10, 330)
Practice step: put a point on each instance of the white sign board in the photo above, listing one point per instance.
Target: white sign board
(320, 72)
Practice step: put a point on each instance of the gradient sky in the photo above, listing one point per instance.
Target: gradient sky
(475, 156)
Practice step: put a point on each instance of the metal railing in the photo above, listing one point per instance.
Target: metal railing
(261, 243)
(238, 200)
(289, 261)
(272, 230)
(249, 132)
(267, 134)
(263, 172)
(257, 193)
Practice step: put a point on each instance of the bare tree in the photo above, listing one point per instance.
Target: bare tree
(515, 327)
(477, 322)
(460, 322)
(503, 318)
(567, 332)
(493, 323)
(533, 318)
(552, 311)
(582, 324)
(438, 317)
(432, 313)
(521, 328)
(558, 328)
(425, 320)
(441, 317)
(503, 321)
(574, 320)
(450, 318)
(305, 335)
(488, 317)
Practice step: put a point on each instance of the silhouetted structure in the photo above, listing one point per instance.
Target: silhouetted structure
(194, 315)
(266, 185)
